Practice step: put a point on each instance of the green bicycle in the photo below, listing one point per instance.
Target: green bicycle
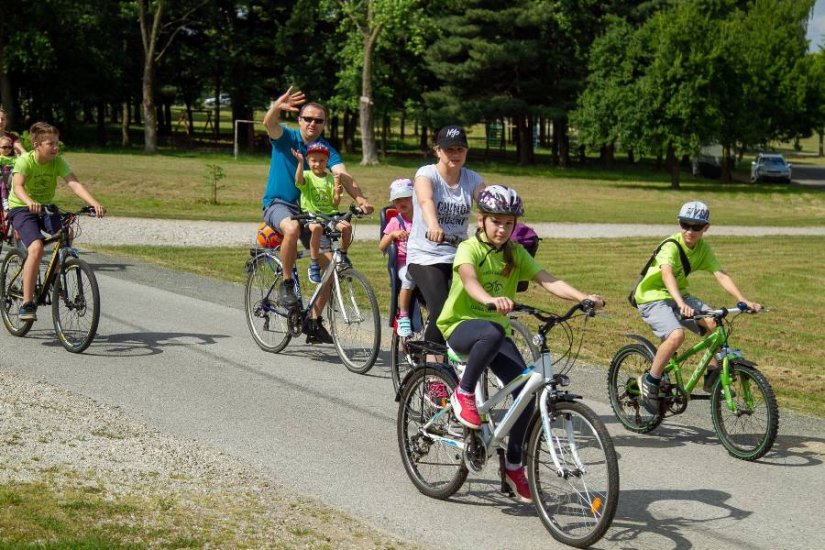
(742, 403)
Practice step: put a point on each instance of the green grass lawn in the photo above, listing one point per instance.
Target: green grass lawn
(173, 186)
(774, 270)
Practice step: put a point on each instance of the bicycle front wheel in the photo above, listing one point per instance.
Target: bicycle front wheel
(75, 305)
(524, 341)
(267, 321)
(11, 287)
(628, 364)
(431, 457)
(355, 321)
(749, 431)
(576, 504)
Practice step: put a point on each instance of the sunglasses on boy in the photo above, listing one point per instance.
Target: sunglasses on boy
(309, 119)
(695, 227)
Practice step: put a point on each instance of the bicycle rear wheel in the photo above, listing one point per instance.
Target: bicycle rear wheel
(11, 287)
(578, 505)
(355, 321)
(628, 364)
(401, 360)
(75, 307)
(750, 431)
(266, 320)
(431, 458)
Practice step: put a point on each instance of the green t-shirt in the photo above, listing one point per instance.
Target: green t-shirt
(701, 258)
(41, 179)
(316, 193)
(489, 265)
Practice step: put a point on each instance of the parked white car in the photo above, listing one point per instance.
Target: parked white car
(209, 102)
(770, 167)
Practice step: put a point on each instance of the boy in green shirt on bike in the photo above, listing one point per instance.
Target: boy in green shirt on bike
(34, 180)
(320, 194)
(662, 297)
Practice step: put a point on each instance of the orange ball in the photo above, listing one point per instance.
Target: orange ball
(268, 237)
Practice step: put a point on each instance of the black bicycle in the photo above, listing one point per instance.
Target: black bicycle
(68, 285)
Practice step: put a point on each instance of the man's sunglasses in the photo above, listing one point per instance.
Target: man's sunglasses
(309, 119)
(695, 227)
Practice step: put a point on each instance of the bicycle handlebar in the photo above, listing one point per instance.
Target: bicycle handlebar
(588, 307)
(54, 209)
(721, 313)
(327, 218)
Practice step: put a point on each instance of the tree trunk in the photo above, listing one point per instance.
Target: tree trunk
(403, 120)
(150, 130)
(525, 140)
(369, 155)
(561, 143)
(673, 166)
(423, 142)
(124, 125)
(821, 144)
(727, 163)
(101, 123)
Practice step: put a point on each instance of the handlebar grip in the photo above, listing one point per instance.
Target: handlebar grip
(490, 307)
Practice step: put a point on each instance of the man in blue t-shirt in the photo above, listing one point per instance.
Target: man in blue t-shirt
(280, 200)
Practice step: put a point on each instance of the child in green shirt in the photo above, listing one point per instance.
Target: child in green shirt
(34, 180)
(486, 271)
(7, 159)
(320, 194)
(662, 295)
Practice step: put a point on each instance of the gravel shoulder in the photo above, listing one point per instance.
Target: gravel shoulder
(70, 444)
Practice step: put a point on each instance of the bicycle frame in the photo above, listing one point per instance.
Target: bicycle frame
(58, 257)
(710, 344)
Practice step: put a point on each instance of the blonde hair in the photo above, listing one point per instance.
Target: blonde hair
(41, 129)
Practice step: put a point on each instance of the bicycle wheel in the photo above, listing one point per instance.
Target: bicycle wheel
(625, 397)
(75, 308)
(355, 321)
(435, 465)
(749, 432)
(11, 286)
(524, 341)
(578, 505)
(401, 361)
(266, 320)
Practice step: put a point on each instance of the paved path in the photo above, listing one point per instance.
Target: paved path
(122, 231)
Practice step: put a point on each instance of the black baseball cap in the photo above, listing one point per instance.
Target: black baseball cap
(452, 136)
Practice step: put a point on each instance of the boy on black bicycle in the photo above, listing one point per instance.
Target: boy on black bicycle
(662, 295)
(34, 180)
(489, 267)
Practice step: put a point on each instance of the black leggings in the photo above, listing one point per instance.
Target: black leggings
(433, 281)
(485, 345)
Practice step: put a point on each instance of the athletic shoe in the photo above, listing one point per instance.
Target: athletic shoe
(465, 409)
(316, 333)
(28, 312)
(436, 393)
(314, 272)
(518, 483)
(649, 394)
(403, 327)
(286, 294)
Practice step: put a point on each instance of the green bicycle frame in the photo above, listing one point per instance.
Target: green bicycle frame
(716, 340)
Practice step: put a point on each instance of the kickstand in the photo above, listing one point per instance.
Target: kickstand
(501, 468)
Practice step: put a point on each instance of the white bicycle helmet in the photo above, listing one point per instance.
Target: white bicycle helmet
(500, 199)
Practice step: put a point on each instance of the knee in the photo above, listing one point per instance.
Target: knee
(290, 229)
(676, 338)
(35, 248)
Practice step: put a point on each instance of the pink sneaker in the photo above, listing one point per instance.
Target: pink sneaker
(465, 409)
(518, 483)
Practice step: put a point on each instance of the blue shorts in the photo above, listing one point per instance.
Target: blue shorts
(662, 316)
(29, 226)
(279, 210)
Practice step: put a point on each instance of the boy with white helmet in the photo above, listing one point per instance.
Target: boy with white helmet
(662, 294)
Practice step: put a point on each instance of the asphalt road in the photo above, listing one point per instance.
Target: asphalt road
(173, 350)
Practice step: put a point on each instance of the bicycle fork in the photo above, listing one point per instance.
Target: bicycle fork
(554, 442)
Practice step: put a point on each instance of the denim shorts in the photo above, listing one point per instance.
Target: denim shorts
(662, 316)
(29, 226)
(279, 210)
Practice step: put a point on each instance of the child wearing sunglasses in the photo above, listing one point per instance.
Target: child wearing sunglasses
(663, 294)
(7, 159)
